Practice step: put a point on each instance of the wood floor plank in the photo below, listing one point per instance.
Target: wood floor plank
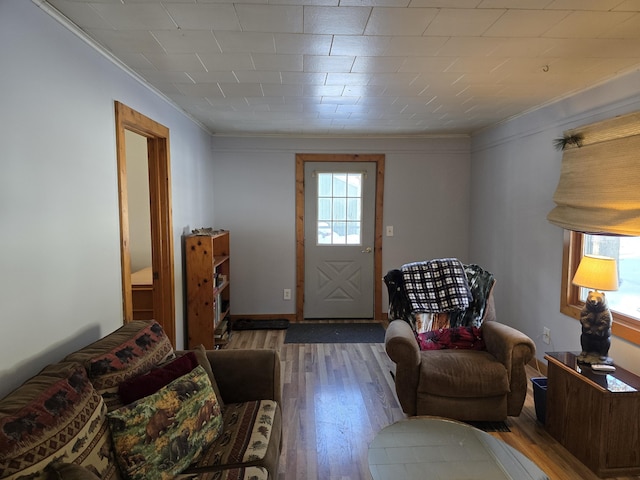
(336, 397)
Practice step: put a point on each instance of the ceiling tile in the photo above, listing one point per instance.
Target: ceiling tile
(348, 79)
(172, 62)
(254, 42)
(354, 45)
(283, 63)
(587, 24)
(254, 76)
(186, 41)
(414, 46)
(335, 20)
(203, 16)
(326, 63)
(525, 23)
(227, 61)
(426, 64)
(445, 3)
(135, 16)
(627, 29)
(602, 5)
(468, 46)
(399, 21)
(303, 78)
(270, 18)
(273, 90)
(212, 77)
(375, 3)
(241, 89)
(307, 44)
(322, 90)
(377, 64)
(515, 4)
(469, 22)
(475, 64)
(200, 90)
(128, 41)
(361, 91)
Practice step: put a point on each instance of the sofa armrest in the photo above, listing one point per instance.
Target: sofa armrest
(244, 375)
(514, 350)
(402, 347)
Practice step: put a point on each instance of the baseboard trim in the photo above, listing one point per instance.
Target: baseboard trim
(269, 316)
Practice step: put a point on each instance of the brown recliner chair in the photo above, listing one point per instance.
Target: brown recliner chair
(467, 385)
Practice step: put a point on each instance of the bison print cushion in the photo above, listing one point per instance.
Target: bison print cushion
(159, 436)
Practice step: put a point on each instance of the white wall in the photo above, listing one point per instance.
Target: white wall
(426, 199)
(138, 200)
(515, 171)
(60, 282)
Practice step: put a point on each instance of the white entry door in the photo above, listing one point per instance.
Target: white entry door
(339, 239)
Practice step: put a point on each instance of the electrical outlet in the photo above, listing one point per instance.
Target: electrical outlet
(546, 335)
(286, 294)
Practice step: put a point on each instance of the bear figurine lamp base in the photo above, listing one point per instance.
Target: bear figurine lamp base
(597, 273)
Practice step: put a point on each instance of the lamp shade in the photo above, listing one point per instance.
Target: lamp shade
(598, 273)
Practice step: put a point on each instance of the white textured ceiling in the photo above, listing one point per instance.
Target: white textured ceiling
(363, 67)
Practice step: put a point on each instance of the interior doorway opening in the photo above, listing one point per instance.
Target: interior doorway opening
(160, 285)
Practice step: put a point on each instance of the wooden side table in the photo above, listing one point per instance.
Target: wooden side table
(594, 416)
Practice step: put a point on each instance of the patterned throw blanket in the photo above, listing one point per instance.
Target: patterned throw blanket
(437, 285)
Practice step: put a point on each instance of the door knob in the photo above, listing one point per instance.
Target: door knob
(366, 250)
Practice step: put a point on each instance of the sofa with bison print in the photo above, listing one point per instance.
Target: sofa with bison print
(130, 407)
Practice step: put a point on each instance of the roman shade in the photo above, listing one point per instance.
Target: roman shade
(599, 187)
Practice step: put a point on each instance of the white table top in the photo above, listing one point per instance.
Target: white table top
(436, 448)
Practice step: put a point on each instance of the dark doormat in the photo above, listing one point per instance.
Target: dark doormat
(309, 332)
(490, 426)
(251, 324)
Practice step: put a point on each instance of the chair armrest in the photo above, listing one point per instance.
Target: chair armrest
(508, 345)
(244, 375)
(400, 343)
(401, 346)
(514, 350)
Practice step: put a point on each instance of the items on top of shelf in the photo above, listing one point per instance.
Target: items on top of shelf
(207, 231)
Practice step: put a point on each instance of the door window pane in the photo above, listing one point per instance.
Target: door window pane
(339, 208)
(324, 209)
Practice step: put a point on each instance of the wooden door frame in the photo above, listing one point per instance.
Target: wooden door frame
(301, 159)
(157, 136)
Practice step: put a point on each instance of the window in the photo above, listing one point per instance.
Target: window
(625, 302)
(339, 208)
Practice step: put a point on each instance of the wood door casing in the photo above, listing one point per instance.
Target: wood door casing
(301, 159)
(157, 136)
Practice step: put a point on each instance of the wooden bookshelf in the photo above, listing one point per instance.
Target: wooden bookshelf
(208, 289)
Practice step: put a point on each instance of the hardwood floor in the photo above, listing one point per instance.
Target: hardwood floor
(336, 397)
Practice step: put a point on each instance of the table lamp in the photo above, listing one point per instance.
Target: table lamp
(597, 273)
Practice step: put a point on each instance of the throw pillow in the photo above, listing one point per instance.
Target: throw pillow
(160, 435)
(152, 381)
(132, 350)
(56, 414)
(468, 338)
